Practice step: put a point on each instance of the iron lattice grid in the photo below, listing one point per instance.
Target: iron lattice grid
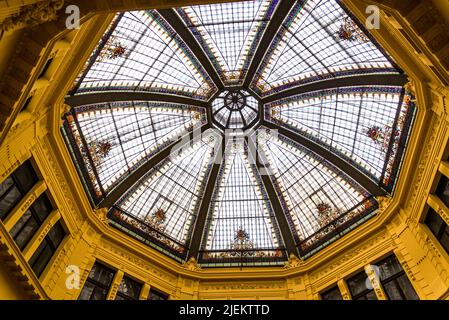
(137, 141)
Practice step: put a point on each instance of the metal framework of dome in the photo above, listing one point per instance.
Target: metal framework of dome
(324, 110)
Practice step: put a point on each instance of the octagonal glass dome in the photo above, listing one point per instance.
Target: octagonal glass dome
(235, 109)
(323, 109)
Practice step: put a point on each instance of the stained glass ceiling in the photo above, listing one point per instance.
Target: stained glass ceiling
(322, 40)
(229, 33)
(324, 110)
(142, 52)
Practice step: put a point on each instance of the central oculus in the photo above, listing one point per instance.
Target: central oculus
(235, 109)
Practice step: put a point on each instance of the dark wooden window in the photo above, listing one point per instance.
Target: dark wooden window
(31, 220)
(395, 282)
(129, 289)
(439, 228)
(26, 104)
(15, 187)
(98, 283)
(157, 295)
(443, 190)
(45, 68)
(361, 288)
(332, 294)
(47, 249)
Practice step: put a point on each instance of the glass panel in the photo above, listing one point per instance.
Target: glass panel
(322, 41)
(363, 125)
(5, 185)
(92, 292)
(165, 202)
(41, 257)
(443, 190)
(393, 291)
(121, 136)
(371, 296)
(143, 53)
(128, 289)
(236, 109)
(86, 292)
(389, 267)
(445, 239)
(56, 235)
(434, 222)
(26, 176)
(9, 201)
(22, 221)
(359, 285)
(332, 294)
(47, 248)
(42, 207)
(15, 187)
(101, 274)
(24, 229)
(317, 197)
(394, 280)
(229, 33)
(156, 295)
(407, 288)
(240, 223)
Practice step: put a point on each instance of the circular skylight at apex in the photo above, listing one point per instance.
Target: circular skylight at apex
(235, 109)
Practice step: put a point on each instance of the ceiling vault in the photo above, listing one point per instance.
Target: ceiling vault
(284, 228)
(176, 23)
(343, 165)
(273, 26)
(228, 208)
(133, 177)
(197, 236)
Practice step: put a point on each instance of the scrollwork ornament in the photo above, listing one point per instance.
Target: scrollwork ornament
(102, 214)
(192, 265)
(34, 14)
(293, 262)
(384, 202)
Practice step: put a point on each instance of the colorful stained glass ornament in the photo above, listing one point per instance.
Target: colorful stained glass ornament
(156, 219)
(326, 214)
(98, 150)
(113, 49)
(242, 243)
(350, 31)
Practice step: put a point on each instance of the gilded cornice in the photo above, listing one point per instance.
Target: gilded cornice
(33, 15)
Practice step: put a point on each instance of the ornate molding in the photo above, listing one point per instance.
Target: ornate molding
(102, 215)
(349, 257)
(423, 164)
(293, 262)
(410, 86)
(172, 279)
(32, 15)
(64, 187)
(191, 265)
(384, 203)
(408, 270)
(237, 286)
